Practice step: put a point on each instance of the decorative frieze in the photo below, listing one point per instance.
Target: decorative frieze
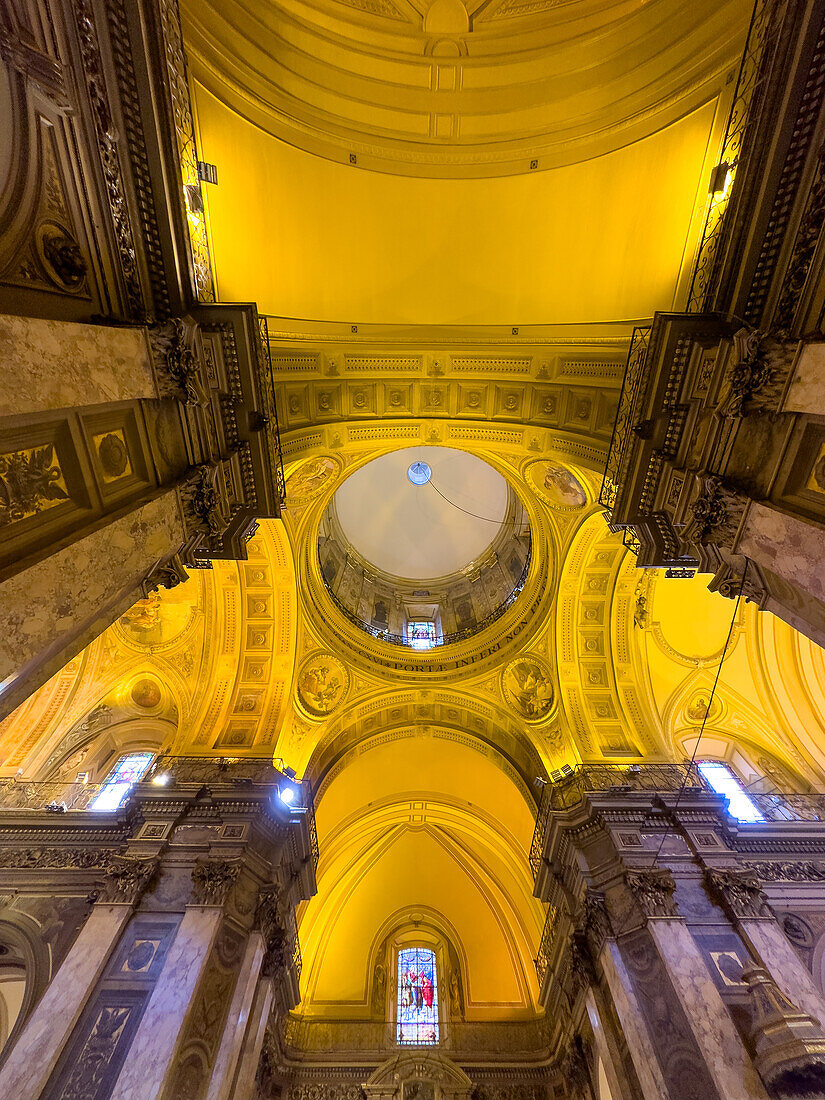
(787, 870)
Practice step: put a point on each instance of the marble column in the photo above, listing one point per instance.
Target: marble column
(40, 1044)
(151, 1055)
(253, 1042)
(631, 1019)
(715, 1032)
(223, 1073)
(769, 944)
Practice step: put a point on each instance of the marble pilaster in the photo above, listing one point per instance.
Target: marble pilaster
(223, 1073)
(806, 391)
(631, 1019)
(244, 1087)
(152, 1052)
(784, 965)
(62, 364)
(50, 1025)
(54, 608)
(716, 1036)
(604, 1043)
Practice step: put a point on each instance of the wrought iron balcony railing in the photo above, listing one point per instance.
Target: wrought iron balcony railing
(273, 430)
(618, 452)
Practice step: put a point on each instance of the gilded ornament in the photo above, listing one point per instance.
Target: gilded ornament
(322, 684)
(528, 688)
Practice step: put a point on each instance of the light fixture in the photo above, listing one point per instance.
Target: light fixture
(289, 787)
(419, 473)
(160, 780)
(720, 179)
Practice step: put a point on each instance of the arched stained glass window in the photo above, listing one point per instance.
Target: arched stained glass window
(417, 997)
(128, 771)
(724, 781)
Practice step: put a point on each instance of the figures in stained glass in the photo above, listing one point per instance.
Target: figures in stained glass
(417, 1015)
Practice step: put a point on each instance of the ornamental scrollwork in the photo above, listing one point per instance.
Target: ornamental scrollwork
(654, 890)
(271, 918)
(739, 893)
(202, 501)
(126, 879)
(212, 879)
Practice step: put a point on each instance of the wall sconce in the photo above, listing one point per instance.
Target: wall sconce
(720, 179)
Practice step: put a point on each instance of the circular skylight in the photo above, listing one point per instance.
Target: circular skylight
(419, 473)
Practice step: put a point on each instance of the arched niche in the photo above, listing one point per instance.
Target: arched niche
(25, 970)
(430, 930)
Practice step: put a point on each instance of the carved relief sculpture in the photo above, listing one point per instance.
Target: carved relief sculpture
(126, 879)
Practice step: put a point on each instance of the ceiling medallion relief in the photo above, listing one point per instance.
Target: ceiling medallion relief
(527, 685)
(323, 683)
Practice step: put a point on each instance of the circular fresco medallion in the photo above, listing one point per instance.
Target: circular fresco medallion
(146, 693)
(322, 684)
(528, 688)
(311, 477)
(556, 484)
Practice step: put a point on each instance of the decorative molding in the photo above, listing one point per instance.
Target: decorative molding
(787, 870)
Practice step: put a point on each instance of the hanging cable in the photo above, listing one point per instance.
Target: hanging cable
(486, 519)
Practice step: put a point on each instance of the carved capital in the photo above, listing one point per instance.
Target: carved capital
(168, 573)
(270, 919)
(715, 513)
(206, 510)
(739, 893)
(126, 879)
(178, 366)
(594, 922)
(654, 891)
(212, 879)
(756, 375)
(728, 582)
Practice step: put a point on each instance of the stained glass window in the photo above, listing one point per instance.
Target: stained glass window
(421, 634)
(417, 997)
(724, 782)
(128, 771)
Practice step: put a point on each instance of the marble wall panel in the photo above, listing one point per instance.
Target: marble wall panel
(785, 966)
(60, 364)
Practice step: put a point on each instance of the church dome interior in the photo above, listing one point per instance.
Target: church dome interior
(412, 498)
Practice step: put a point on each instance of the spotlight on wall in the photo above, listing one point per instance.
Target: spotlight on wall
(160, 780)
(720, 179)
(289, 788)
